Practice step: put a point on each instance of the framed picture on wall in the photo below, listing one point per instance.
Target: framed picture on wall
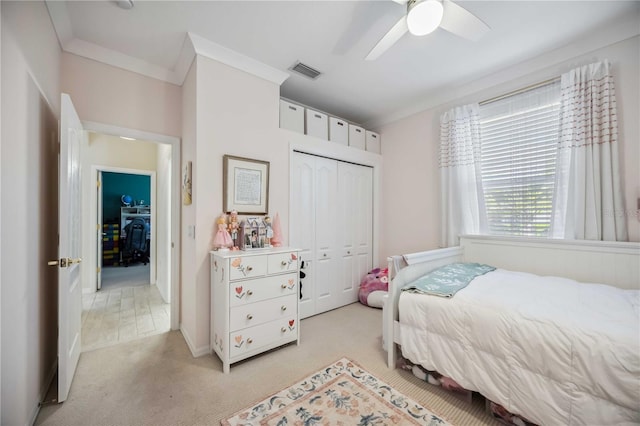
(245, 185)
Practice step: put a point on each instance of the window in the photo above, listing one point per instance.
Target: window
(518, 139)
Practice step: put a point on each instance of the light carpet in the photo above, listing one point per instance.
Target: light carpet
(156, 381)
(342, 393)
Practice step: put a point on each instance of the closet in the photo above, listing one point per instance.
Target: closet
(332, 223)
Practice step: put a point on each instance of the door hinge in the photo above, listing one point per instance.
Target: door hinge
(97, 226)
(98, 269)
(98, 183)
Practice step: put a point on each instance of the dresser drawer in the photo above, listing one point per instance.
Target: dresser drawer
(247, 267)
(251, 291)
(282, 262)
(253, 338)
(257, 313)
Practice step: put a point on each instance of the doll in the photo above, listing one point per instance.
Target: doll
(269, 230)
(233, 228)
(222, 239)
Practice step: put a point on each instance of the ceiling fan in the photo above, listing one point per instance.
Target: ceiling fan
(424, 16)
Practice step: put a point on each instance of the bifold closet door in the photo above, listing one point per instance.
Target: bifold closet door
(314, 228)
(331, 223)
(355, 198)
(302, 225)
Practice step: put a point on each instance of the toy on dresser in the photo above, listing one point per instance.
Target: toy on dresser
(222, 239)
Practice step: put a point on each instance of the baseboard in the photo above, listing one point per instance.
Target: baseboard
(43, 391)
(196, 352)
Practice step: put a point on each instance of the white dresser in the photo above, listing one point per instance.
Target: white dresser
(254, 302)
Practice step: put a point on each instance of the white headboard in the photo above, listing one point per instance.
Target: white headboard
(613, 263)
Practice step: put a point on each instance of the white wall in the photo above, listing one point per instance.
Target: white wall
(107, 151)
(30, 108)
(410, 145)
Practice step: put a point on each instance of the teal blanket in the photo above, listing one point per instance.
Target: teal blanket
(447, 280)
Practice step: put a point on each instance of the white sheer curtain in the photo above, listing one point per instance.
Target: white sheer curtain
(462, 203)
(588, 199)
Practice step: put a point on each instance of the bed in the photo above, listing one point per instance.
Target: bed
(533, 335)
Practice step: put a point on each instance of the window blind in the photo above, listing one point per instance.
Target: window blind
(519, 136)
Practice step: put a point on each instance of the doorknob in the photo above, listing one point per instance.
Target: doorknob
(64, 262)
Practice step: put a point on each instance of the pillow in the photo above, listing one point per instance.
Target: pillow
(375, 281)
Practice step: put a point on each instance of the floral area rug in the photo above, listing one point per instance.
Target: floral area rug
(340, 394)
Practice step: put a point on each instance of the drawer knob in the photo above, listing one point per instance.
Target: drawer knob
(249, 268)
(249, 316)
(283, 286)
(249, 293)
(325, 255)
(283, 263)
(249, 341)
(283, 329)
(283, 308)
(348, 252)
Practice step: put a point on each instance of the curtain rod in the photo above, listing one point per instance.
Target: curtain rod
(518, 91)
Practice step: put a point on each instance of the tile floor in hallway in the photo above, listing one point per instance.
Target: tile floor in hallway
(123, 314)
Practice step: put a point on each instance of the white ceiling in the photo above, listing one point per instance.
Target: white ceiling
(333, 37)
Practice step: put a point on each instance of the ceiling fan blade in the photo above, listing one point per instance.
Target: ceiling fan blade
(461, 22)
(389, 39)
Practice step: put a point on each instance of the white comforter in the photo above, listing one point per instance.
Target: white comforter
(550, 349)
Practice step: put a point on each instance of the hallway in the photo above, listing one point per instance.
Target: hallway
(123, 314)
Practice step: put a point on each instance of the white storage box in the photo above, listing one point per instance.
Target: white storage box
(338, 131)
(291, 116)
(372, 141)
(356, 137)
(317, 124)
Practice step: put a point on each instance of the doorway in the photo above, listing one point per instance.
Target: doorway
(126, 298)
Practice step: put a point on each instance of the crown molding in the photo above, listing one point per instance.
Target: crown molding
(614, 32)
(193, 45)
(219, 53)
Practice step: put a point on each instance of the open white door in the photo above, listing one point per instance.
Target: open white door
(100, 231)
(70, 235)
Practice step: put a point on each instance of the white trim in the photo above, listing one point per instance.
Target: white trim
(193, 45)
(94, 214)
(219, 53)
(609, 34)
(176, 185)
(195, 352)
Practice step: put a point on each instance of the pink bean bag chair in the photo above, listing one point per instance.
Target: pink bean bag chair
(373, 287)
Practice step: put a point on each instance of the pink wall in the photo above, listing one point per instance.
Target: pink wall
(110, 95)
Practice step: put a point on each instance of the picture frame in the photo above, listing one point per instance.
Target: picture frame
(245, 185)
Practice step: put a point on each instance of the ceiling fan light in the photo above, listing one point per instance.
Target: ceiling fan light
(425, 17)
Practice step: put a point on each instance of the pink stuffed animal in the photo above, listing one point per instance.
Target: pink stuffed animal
(373, 287)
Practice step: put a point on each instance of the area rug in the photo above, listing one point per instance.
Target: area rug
(340, 394)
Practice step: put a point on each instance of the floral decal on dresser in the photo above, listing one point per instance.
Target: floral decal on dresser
(237, 263)
(217, 341)
(292, 259)
(292, 325)
(240, 292)
(291, 283)
(239, 341)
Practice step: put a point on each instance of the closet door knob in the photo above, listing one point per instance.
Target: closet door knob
(249, 316)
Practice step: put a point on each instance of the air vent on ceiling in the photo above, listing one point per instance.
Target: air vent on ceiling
(305, 70)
